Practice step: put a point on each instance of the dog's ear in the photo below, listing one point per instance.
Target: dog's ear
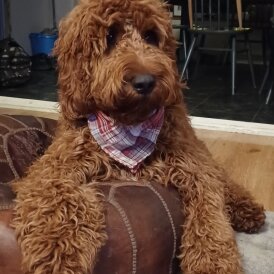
(77, 44)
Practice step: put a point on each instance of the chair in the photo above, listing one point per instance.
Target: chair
(182, 27)
(257, 15)
(260, 15)
(269, 74)
(182, 42)
(218, 17)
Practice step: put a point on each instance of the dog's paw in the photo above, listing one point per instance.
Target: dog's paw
(248, 217)
(222, 266)
(212, 258)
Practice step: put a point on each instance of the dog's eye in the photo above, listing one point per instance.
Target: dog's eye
(151, 37)
(112, 36)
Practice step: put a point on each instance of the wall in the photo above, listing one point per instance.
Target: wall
(1, 20)
(33, 16)
(63, 7)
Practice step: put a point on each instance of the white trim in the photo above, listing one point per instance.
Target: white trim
(232, 126)
(28, 104)
(197, 122)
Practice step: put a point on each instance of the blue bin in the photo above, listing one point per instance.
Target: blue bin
(42, 43)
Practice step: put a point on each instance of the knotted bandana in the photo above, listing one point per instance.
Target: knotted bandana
(129, 145)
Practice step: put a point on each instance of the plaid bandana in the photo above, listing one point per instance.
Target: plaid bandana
(129, 145)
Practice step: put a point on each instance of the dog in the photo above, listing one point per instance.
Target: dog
(123, 118)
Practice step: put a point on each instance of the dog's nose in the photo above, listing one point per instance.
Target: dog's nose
(143, 83)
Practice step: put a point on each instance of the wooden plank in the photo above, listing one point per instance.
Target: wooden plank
(248, 159)
(52, 115)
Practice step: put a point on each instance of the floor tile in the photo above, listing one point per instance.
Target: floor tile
(41, 86)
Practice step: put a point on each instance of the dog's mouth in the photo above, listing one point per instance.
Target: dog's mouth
(135, 104)
(131, 116)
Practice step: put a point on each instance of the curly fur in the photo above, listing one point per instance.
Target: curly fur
(59, 222)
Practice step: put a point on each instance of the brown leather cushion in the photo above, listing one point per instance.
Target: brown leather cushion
(143, 219)
(143, 227)
(22, 140)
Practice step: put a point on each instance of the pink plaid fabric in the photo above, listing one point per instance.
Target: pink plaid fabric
(129, 145)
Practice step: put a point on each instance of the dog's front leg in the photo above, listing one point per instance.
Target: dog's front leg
(59, 222)
(245, 214)
(208, 244)
(59, 230)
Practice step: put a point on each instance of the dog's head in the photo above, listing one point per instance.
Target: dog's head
(117, 56)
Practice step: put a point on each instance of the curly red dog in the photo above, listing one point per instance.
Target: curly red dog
(123, 118)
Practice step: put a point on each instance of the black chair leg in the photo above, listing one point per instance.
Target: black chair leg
(264, 37)
(233, 63)
(197, 63)
(269, 94)
(194, 39)
(185, 51)
(264, 80)
(250, 61)
(201, 44)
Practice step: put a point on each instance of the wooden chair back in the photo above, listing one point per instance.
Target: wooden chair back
(215, 15)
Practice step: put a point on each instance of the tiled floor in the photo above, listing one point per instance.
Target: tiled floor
(208, 94)
(42, 86)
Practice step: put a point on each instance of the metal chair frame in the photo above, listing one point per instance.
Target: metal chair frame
(211, 22)
(269, 74)
(182, 26)
(182, 29)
